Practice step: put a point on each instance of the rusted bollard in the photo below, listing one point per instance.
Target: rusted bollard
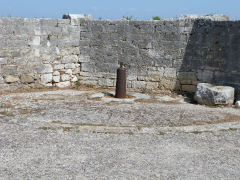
(121, 82)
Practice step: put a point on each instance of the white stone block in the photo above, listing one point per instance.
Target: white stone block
(11, 79)
(70, 66)
(209, 94)
(35, 41)
(3, 61)
(46, 78)
(56, 73)
(84, 58)
(36, 53)
(56, 79)
(170, 73)
(74, 79)
(63, 84)
(59, 66)
(65, 77)
(69, 71)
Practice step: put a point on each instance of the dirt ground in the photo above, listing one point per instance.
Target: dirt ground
(73, 134)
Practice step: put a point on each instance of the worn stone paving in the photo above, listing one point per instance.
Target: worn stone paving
(78, 134)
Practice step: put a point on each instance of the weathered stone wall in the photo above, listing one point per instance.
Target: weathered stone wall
(171, 54)
(38, 52)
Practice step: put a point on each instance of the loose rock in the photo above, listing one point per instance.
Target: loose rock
(208, 94)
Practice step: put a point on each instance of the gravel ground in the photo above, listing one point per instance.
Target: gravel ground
(64, 134)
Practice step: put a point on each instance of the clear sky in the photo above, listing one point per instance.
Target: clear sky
(112, 9)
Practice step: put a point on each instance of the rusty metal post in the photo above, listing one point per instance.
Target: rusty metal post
(121, 82)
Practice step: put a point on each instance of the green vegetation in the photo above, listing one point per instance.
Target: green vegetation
(46, 128)
(89, 85)
(5, 113)
(156, 18)
(161, 133)
(129, 18)
(77, 84)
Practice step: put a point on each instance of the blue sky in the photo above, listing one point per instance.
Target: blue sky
(110, 9)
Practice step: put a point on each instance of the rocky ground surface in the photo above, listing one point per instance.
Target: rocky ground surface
(82, 134)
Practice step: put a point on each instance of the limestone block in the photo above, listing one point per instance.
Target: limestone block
(65, 77)
(86, 74)
(86, 67)
(27, 79)
(89, 82)
(3, 61)
(131, 78)
(70, 59)
(213, 17)
(84, 58)
(74, 79)
(170, 73)
(11, 79)
(152, 85)
(209, 94)
(205, 75)
(189, 88)
(63, 84)
(153, 76)
(1, 80)
(160, 71)
(76, 71)
(59, 66)
(9, 69)
(37, 53)
(46, 78)
(187, 78)
(56, 79)
(69, 66)
(169, 84)
(139, 84)
(56, 73)
(44, 68)
(69, 71)
(35, 41)
(106, 82)
(141, 78)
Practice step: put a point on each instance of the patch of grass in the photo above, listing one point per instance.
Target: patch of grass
(77, 124)
(196, 132)
(67, 129)
(161, 133)
(77, 84)
(146, 91)
(46, 128)
(230, 129)
(6, 113)
(156, 18)
(104, 87)
(89, 85)
(24, 111)
(139, 128)
(6, 106)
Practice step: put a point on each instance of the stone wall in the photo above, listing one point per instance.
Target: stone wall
(172, 54)
(38, 52)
